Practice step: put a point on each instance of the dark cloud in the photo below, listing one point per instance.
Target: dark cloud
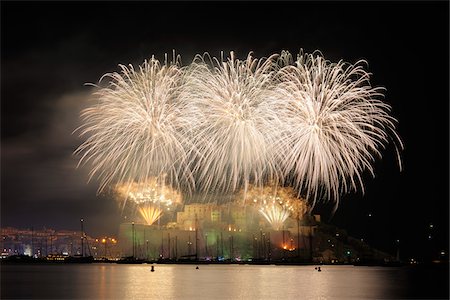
(39, 173)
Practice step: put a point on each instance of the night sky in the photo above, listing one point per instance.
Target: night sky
(49, 50)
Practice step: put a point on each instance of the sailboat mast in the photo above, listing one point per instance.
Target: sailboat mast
(82, 237)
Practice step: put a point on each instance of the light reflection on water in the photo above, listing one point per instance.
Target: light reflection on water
(112, 281)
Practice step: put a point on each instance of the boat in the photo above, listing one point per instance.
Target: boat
(79, 259)
(130, 260)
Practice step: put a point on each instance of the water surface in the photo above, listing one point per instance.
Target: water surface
(112, 281)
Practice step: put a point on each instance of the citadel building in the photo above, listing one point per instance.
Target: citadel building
(219, 232)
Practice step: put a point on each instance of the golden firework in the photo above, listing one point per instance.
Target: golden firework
(151, 197)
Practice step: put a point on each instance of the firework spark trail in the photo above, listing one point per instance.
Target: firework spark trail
(137, 128)
(233, 122)
(334, 125)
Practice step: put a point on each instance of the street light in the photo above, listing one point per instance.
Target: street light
(104, 242)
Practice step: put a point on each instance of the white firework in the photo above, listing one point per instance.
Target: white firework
(275, 203)
(335, 123)
(220, 125)
(137, 129)
(275, 214)
(233, 121)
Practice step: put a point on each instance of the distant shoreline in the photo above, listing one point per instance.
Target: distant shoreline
(28, 260)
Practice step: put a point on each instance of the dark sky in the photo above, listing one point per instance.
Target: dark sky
(49, 50)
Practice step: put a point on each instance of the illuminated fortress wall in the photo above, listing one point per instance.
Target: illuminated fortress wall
(225, 231)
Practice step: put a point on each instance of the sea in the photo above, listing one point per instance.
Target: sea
(170, 281)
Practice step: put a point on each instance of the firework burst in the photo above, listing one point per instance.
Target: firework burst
(150, 213)
(151, 198)
(137, 130)
(275, 214)
(222, 125)
(334, 124)
(276, 204)
(233, 122)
